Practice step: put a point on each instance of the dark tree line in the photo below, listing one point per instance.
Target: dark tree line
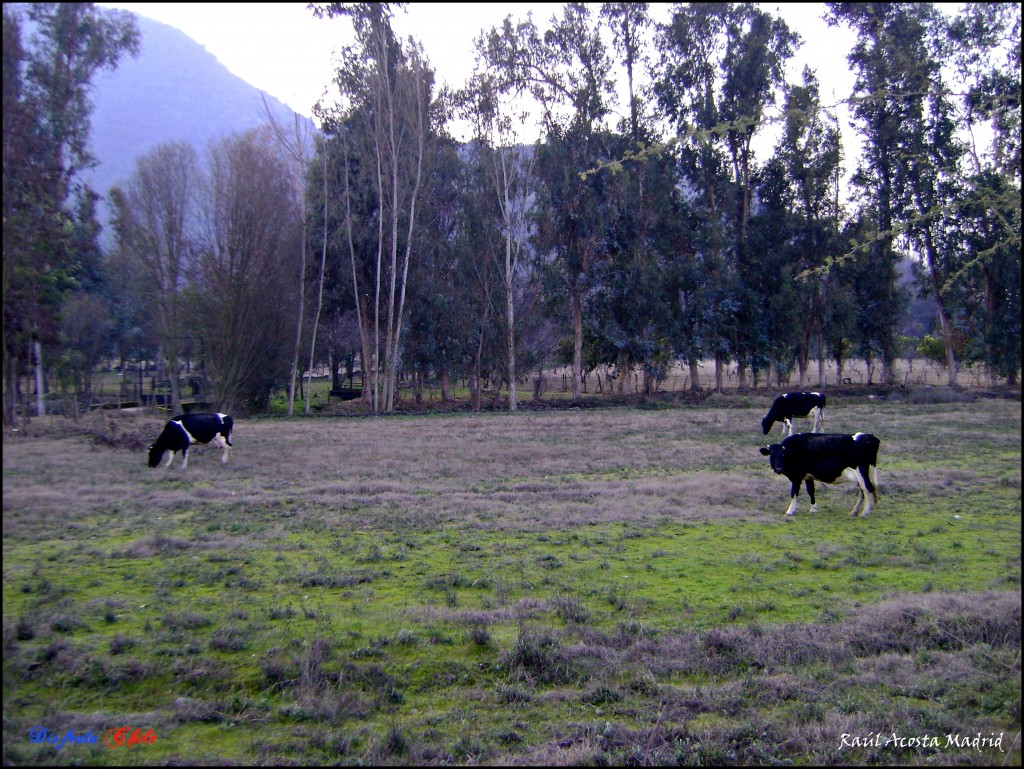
(661, 237)
(620, 243)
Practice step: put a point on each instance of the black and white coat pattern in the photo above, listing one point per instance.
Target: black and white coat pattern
(187, 429)
(786, 408)
(829, 458)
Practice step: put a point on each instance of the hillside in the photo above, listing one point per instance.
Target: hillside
(174, 90)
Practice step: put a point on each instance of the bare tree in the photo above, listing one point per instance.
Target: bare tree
(296, 144)
(154, 220)
(247, 260)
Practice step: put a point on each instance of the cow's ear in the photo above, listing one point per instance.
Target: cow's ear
(765, 450)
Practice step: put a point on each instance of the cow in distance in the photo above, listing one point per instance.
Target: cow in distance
(188, 429)
(786, 408)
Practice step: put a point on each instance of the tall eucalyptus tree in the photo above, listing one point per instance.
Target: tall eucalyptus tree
(892, 84)
(392, 85)
(636, 288)
(691, 48)
(810, 152)
(510, 165)
(985, 41)
(567, 69)
(758, 46)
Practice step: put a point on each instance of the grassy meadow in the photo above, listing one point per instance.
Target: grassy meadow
(567, 586)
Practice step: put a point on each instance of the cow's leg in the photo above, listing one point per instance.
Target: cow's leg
(170, 458)
(852, 475)
(793, 492)
(184, 458)
(225, 447)
(817, 420)
(860, 501)
(869, 489)
(787, 428)
(809, 483)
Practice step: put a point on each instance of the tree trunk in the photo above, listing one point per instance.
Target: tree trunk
(821, 357)
(10, 391)
(320, 294)
(944, 325)
(694, 376)
(366, 338)
(991, 375)
(172, 377)
(298, 330)
(623, 370)
(577, 343)
(510, 319)
(37, 360)
(446, 384)
(474, 389)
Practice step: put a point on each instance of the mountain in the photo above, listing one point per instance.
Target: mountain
(174, 90)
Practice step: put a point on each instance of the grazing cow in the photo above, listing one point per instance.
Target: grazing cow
(791, 405)
(182, 431)
(829, 458)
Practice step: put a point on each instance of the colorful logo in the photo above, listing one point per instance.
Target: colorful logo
(120, 737)
(124, 737)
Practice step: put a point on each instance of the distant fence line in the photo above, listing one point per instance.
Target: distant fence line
(141, 387)
(907, 371)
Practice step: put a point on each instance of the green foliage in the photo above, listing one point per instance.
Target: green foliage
(49, 232)
(933, 349)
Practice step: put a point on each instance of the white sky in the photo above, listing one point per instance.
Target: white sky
(282, 49)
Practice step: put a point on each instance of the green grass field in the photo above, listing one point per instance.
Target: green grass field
(597, 586)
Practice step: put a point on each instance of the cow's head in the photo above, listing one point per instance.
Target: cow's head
(775, 453)
(766, 424)
(154, 456)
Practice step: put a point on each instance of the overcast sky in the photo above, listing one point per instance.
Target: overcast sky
(282, 49)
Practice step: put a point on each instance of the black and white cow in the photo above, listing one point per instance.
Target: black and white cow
(182, 431)
(829, 458)
(792, 405)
